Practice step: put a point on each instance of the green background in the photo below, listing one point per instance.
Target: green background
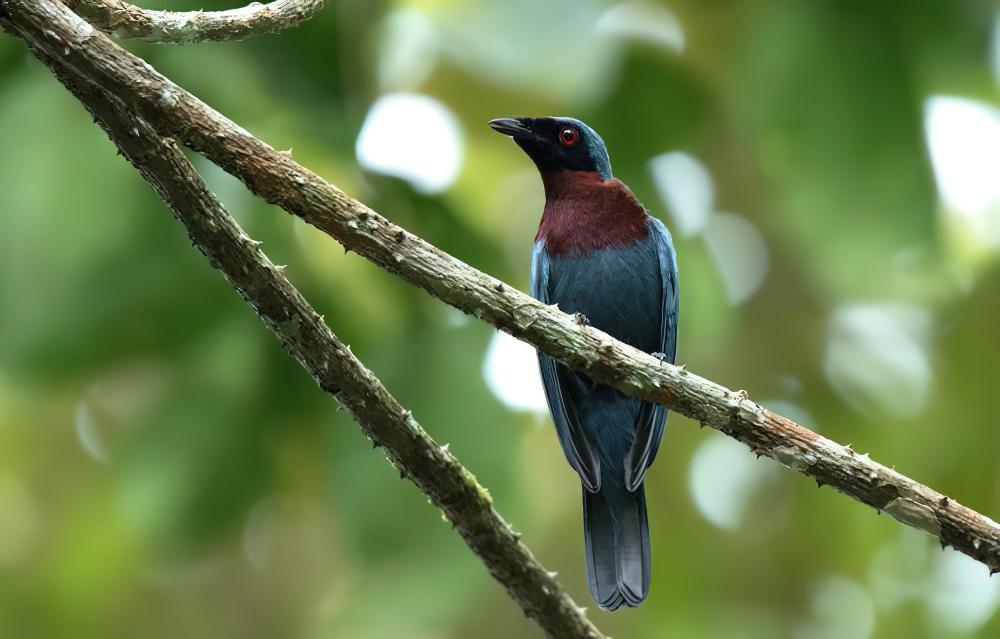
(167, 471)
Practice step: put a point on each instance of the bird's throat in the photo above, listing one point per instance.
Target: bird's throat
(584, 212)
(565, 184)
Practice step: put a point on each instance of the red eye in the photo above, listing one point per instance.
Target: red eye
(568, 136)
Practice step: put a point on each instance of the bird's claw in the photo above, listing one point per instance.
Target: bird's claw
(581, 319)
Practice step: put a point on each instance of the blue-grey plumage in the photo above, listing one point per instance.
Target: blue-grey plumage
(598, 253)
(629, 293)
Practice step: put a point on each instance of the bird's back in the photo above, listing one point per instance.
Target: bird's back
(602, 262)
(617, 289)
(598, 253)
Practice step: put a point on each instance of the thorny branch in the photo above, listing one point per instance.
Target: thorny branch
(124, 20)
(277, 178)
(303, 333)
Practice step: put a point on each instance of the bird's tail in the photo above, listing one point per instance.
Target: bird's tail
(617, 546)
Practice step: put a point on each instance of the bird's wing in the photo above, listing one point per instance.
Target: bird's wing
(574, 442)
(650, 421)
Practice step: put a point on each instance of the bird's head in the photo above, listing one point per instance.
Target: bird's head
(558, 144)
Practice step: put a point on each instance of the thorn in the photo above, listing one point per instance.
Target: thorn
(340, 407)
(499, 287)
(553, 574)
(402, 474)
(683, 369)
(976, 543)
(374, 444)
(660, 356)
(280, 267)
(516, 534)
(444, 448)
(287, 152)
(819, 483)
(407, 413)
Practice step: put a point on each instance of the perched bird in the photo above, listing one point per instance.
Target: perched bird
(600, 254)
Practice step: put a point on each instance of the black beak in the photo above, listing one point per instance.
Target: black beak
(514, 127)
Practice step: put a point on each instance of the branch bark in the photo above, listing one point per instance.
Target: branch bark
(282, 181)
(303, 333)
(124, 20)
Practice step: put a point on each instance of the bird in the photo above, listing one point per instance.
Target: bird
(599, 254)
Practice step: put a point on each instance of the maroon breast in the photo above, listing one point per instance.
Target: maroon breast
(584, 212)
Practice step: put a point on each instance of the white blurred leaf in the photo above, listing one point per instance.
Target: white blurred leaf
(651, 23)
(876, 357)
(686, 189)
(740, 253)
(511, 372)
(413, 137)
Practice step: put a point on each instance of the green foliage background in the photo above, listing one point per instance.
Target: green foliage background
(167, 471)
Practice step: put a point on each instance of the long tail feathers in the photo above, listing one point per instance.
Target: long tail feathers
(616, 536)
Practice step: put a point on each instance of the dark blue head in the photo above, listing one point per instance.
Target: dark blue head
(558, 144)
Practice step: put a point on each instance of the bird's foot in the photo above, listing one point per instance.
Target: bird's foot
(581, 319)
